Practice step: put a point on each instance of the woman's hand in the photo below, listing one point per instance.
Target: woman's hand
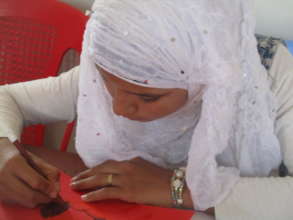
(20, 183)
(136, 181)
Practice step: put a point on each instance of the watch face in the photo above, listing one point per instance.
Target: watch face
(179, 173)
(177, 183)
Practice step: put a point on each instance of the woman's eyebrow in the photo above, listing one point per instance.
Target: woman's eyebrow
(147, 94)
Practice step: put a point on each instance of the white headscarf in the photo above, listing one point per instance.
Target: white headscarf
(180, 44)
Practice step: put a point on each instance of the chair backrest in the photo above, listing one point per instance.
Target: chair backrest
(34, 36)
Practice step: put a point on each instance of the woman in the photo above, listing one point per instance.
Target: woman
(187, 99)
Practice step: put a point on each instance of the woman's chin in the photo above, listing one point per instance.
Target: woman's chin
(139, 119)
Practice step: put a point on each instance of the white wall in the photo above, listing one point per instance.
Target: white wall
(81, 4)
(274, 17)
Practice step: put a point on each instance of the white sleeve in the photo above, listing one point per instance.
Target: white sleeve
(40, 101)
(282, 73)
(258, 199)
(269, 198)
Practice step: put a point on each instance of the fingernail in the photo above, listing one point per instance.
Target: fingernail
(74, 178)
(84, 197)
(73, 184)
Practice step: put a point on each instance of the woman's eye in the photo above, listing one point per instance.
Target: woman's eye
(149, 99)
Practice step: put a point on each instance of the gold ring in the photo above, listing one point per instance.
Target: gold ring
(110, 179)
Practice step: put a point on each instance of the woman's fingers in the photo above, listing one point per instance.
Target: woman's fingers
(106, 167)
(19, 182)
(36, 181)
(52, 174)
(82, 175)
(22, 194)
(96, 181)
(103, 194)
(134, 180)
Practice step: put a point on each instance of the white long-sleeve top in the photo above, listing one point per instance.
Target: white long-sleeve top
(55, 98)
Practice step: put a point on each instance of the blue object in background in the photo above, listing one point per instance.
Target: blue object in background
(290, 45)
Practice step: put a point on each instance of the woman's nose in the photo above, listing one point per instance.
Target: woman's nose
(123, 104)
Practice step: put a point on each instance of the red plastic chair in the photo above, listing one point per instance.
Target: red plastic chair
(34, 36)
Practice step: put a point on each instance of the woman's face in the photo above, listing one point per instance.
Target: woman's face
(141, 103)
